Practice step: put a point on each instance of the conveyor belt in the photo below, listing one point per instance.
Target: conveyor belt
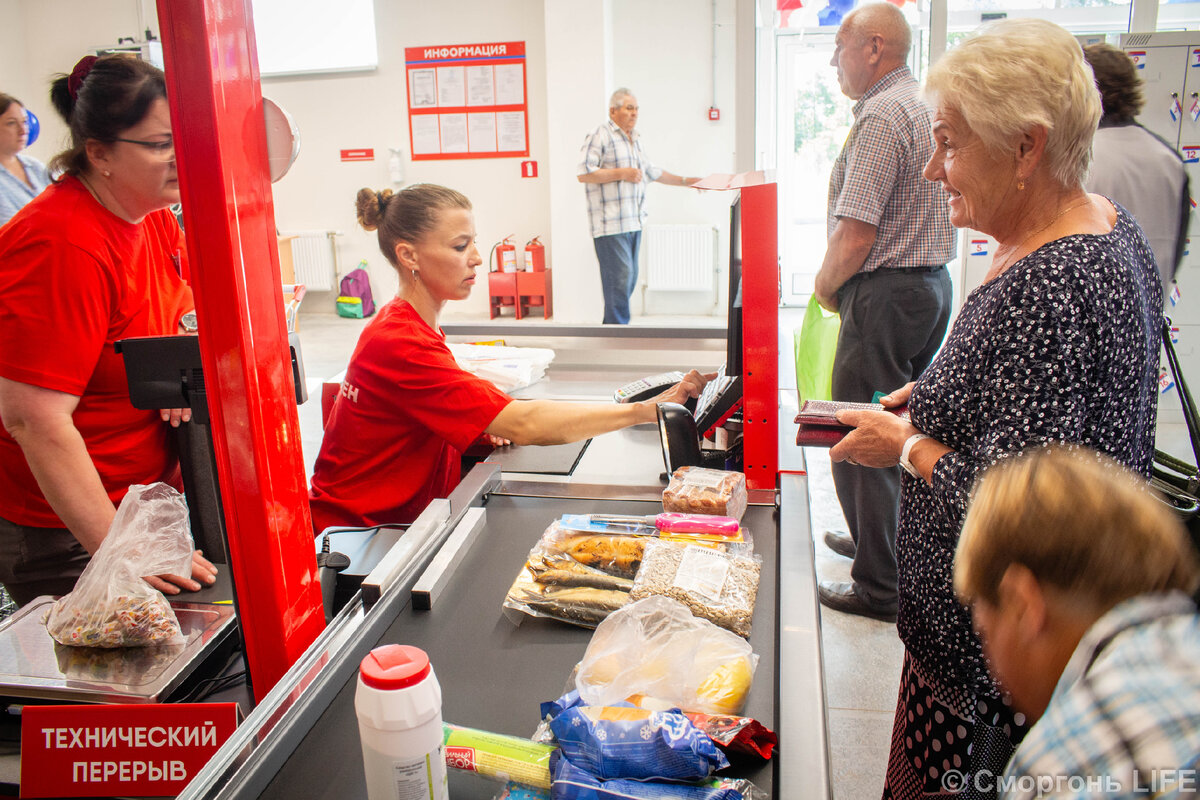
(494, 674)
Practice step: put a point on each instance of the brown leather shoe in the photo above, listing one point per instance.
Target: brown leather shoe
(842, 597)
(840, 543)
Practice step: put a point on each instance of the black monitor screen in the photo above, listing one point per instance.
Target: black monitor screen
(733, 336)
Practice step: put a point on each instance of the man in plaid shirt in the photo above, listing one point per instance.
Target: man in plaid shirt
(884, 271)
(614, 171)
(1078, 582)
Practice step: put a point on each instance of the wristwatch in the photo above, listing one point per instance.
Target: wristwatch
(188, 322)
(905, 464)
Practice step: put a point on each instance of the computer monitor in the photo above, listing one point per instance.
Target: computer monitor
(733, 334)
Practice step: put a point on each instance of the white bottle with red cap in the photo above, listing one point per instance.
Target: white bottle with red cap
(399, 707)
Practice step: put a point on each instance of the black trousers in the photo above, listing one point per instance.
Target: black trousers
(893, 322)
(37, 561)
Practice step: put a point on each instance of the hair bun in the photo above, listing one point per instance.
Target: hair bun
(370, 206)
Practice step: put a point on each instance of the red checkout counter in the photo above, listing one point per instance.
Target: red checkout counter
(302, 739)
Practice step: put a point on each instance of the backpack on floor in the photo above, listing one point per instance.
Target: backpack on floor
(357, 283)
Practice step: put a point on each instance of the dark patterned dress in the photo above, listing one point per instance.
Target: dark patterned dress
(1062, 346)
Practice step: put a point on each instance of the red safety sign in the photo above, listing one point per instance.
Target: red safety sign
(359, 154)
(122, 750)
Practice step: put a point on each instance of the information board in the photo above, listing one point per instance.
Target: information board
(467, 101)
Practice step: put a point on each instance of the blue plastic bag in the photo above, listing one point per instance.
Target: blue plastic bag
(568, 782)
(628, 742)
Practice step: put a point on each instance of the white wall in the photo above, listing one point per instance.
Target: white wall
(661, 49)
(53, 35)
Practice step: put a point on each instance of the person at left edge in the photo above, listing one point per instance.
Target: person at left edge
(95, 258)
(22, 177)
(615, 170)
(406, 410)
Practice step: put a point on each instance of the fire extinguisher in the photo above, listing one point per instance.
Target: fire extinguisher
(506, 255)
(535, 255)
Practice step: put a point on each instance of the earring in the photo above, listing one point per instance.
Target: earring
(1020, 186)
(107, 174)
(416, 276)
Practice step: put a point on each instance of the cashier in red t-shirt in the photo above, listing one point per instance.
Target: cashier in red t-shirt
(95, 258)
(406, 411)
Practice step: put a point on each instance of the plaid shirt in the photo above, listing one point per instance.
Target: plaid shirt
(619, 206)
(877, 178)
(1124, 720)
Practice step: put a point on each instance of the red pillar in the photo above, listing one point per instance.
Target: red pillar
(217, 121)
(760, 335)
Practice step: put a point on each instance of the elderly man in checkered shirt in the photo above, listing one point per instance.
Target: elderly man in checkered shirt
(1078, 580)
(614, 170)
(884, 271)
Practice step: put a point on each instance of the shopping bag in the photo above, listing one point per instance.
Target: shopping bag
(111, 605)
(816, 344)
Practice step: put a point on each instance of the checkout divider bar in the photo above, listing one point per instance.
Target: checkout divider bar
(308, 687)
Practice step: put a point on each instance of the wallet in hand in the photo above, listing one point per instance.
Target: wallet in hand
(818, 424)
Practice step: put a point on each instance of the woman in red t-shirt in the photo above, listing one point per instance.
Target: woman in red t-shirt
(95, 258)
(406, 410)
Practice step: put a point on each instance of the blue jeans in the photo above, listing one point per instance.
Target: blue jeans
(618, 255)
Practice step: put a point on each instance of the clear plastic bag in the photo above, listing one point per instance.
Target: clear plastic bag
(655, 648)
(720, 587)
(111, 605)
(696, 490)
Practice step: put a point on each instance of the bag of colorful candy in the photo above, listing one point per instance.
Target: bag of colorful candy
(111, 605)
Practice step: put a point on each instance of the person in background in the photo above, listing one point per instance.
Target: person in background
(1059, 343)
(95, 258)
(22, 177)
(1078, 580)
(406, 411)
(884, 271)
(615, 170)
(1135, 167)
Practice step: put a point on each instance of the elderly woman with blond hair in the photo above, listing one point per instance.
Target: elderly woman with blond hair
(1058, 344)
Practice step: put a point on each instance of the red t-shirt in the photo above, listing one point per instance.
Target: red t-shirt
(74, 278)
(403, 416)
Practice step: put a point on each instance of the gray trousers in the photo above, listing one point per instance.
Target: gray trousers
(37, 561)
(893, 322)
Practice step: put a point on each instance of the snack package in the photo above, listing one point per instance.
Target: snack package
(494, 755)
(627, 742)
(572, 783)
(657, 648)
(696, 490)
(739, 738)
(719, 587)
(111, 605)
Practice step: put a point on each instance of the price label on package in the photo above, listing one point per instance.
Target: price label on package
(702, 572)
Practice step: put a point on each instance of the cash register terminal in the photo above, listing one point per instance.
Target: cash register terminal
(721, 400)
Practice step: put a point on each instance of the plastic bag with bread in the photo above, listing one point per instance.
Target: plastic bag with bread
(656, 648)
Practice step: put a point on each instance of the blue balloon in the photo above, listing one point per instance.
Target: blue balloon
(35, 127)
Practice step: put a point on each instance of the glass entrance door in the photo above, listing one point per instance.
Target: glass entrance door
(814, 118)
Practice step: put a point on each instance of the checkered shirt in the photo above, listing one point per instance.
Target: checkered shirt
(619, 206)
(877, 178)
(1128, 726)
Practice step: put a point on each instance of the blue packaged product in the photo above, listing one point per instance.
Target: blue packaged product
(552, 708)
(628, 742)
(568, 782)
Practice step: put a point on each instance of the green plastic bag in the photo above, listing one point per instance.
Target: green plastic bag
(350, 307)
(816, 344)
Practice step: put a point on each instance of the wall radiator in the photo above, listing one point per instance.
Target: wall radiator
(314, 256)
(680, 258)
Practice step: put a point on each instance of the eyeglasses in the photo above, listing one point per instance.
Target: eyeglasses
(165, 149)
